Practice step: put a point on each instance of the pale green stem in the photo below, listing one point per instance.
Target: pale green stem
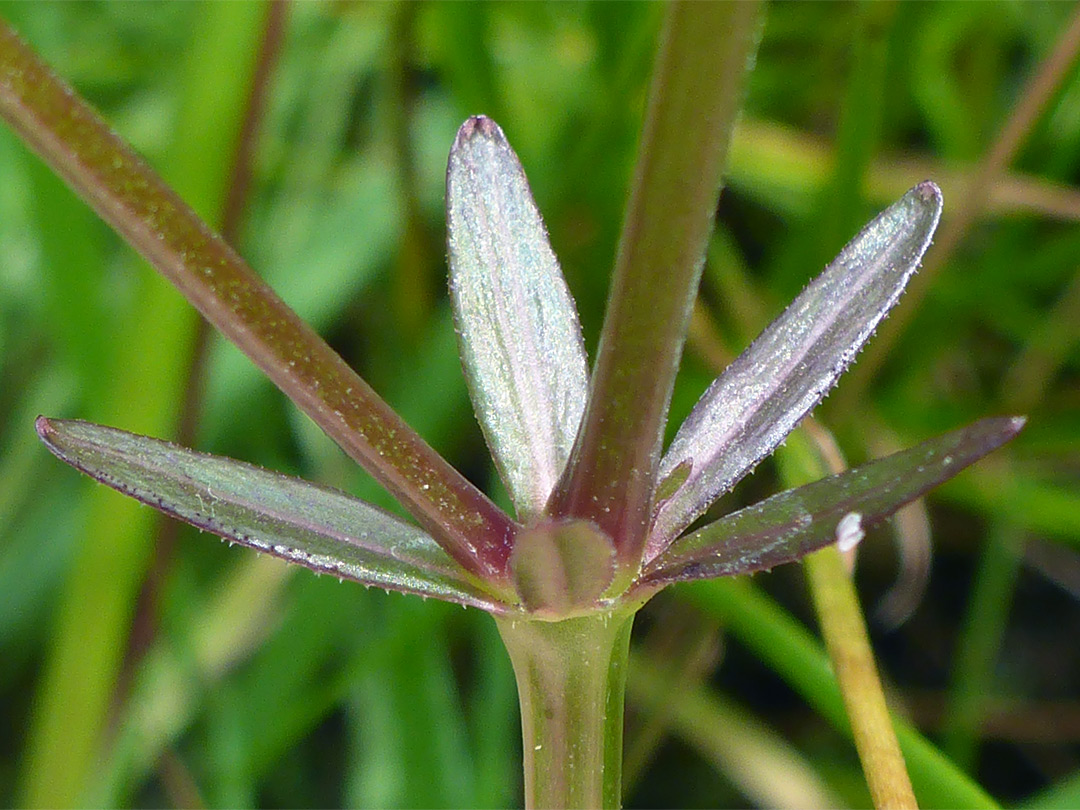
(571, 678)
(846, 639)
(808, 455)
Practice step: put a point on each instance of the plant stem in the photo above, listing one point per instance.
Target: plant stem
(571, 678)
(844, 630)
(808, 455)
(122, 188)
(788, 648)
(694, 97)
(980, 643)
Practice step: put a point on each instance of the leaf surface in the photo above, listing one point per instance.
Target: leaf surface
(133, 199)
(521, 344)
(788, 369)
(790, 525)
(314, 526)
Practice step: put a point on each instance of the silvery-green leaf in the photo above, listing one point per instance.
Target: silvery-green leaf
(788, 369)
(790, 525)
(317, 527)
(520, 340)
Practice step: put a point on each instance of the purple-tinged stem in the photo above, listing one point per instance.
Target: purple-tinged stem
(124, 191)
(694, 99)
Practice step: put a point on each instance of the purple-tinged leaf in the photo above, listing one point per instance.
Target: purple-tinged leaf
(73, 140)
(790, 525)
(521, 345)
(788, 369)
(316, 527)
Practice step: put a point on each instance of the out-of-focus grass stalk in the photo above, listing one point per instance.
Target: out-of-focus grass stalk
(144, 394)
(1032, 102)
(980, 642)
(414, 283)
(1062, 796)
(1031, 374)
(788, 169)
(996, 488)
(848, 643)
(839, 211)
(791, 651)
(167, 691)
(765, 767)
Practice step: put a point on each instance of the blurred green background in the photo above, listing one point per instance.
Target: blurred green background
(144, 665)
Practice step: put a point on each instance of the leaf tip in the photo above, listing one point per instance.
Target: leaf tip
(929, 192)
(924, 204)
(478, 126)
(1004, 428)
(49, 430)
(44, 428)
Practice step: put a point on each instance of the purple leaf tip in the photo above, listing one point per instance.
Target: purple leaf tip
(479, 126)
(928, 191)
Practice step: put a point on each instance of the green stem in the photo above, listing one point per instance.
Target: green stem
(789, 649)
(695, 95)
(980, 643)
(808, 455)
(571, 678)
(846, 639)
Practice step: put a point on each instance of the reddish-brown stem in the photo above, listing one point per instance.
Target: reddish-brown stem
(130, 196)
(693, 102)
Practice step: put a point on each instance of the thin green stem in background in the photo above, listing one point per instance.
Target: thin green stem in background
(144, 390)
(803, 459)
(1064, 795)
(788, 169)
(845, 634)
(840, 210)
(571, 678)
(980, 644)
(795, 655)
(233, 207)
(695, 96)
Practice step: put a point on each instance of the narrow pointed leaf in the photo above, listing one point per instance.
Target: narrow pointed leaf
(316, 527)
(790, 525)
(762, 395)
(73, 140)
(521, 344)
